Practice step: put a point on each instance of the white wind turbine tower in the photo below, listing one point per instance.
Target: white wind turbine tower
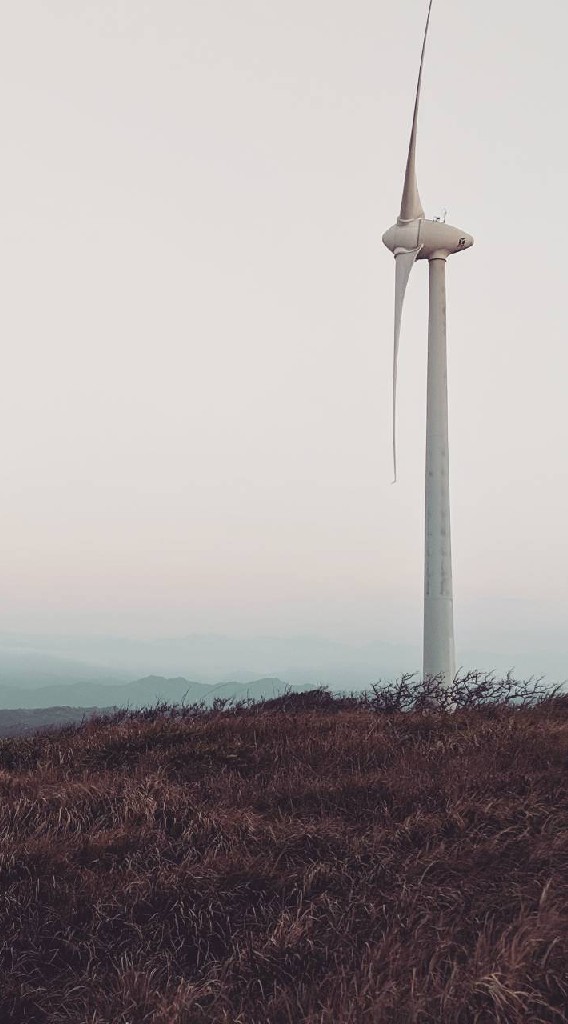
(415, 238)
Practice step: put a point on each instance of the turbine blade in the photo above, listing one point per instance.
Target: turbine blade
(411, 207)
(404, 262)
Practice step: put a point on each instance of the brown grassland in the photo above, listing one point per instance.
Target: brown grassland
(306, 859)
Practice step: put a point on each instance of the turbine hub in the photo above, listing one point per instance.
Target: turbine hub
(435, 239)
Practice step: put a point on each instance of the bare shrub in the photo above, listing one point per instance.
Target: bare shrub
(479, 690)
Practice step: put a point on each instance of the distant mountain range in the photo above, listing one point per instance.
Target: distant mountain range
(139, 693)
(31, 660)
(41, 670)
(23, 711)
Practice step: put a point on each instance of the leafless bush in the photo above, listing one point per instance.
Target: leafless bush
(479, 690)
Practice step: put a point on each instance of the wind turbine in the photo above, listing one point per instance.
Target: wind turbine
(412, 238)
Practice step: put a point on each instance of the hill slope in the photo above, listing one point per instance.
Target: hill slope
(270, 866)
(23, 721)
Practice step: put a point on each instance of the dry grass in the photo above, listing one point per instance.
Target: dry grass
(303, 860)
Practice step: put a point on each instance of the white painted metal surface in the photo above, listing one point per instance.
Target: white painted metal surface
(404, 264)
(439, 657)
(415, 238)
(410, 206)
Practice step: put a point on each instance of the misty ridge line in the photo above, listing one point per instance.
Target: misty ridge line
(141, 693)
(32, 660)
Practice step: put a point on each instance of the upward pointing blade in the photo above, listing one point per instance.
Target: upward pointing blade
(404, 262)
(411, 207)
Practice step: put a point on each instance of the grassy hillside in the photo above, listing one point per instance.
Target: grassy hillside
(307, 860)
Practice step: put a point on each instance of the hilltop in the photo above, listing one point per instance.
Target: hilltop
(306, 859)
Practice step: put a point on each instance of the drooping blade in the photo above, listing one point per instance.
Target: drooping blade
(411, 207)
(404, 263)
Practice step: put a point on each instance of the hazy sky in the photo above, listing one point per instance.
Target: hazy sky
(196, 316)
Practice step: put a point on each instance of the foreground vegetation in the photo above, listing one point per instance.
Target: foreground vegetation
(357, 860)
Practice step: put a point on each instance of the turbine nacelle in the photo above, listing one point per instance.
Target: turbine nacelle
(432, 238)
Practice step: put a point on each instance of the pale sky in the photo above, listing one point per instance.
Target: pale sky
(196, 316)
